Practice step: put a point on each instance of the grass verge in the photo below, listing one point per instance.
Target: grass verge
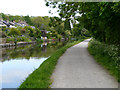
(106, 55)
(40, 78)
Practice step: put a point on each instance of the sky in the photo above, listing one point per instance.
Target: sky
(25, 7)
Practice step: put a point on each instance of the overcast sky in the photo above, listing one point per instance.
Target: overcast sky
(25, 7)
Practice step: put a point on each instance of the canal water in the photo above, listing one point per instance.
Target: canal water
(17, 63)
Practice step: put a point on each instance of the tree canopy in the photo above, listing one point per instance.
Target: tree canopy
(102, 19)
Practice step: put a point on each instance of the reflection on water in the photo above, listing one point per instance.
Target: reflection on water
(18, 63)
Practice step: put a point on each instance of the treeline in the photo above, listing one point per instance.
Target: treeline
(28, 33)
(102, 19)
(39, 22)
(59, 27)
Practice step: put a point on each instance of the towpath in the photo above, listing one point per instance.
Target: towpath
(76, 68)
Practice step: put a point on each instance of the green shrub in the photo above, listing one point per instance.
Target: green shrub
(106, 55)
(3, 34)
(37, 33)
(23, 38)
(9, 39)
(59, 37)
(39, 40)
(14, 32)
(4, 28)
(29, 30)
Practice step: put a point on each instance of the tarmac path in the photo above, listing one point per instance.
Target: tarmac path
(76, 68)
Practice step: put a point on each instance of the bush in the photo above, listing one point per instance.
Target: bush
(29, 30)
(106, 55)
(23, 38)
(2, 34)
(40, 40)
(14, 32)
(4, 28)
(9, 40)
(37, 33)
(59, 37)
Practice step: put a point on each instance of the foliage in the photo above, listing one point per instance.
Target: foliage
(54, 33)
(30, 31)
(100, 18)
(4, 28)
(79, 32)
(37, 33)
(14, 32)
(58, 25)
(4, 17)
(67, 24)
(59, 37)
(11, 18)
(106, 55)
(40, 78)
(39, 40)
(4, 35)
(55, 21)
(41, 23)
(76, 31)
(9, 39)
(23, 38)
(28, 20)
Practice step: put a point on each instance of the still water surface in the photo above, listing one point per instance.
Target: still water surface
(18, 63)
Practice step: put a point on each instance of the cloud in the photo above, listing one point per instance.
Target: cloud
(24, 7)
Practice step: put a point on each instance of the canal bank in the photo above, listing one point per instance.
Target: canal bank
(76, 68)
(17, 44)
(17, 63)
(5, 45)
(40, 78)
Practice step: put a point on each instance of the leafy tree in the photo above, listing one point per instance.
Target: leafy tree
(14, 32)
(28, 20)
(37, 33)
(100, 18)
(29, 31)
(41, 23)
(58, 25)
(67, 24)
(76, 31)
(4, 17)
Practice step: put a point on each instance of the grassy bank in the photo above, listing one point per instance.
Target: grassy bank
(106, 55)
(40, 78)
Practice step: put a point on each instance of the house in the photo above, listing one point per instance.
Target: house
(12, 25)
(23, 23)
(32, 27)
(18, 24)
(6, 23)
(2, 24)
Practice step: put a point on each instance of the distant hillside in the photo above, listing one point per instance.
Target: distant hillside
(38, 22)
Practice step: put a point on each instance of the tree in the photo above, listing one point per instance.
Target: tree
(28, 20)
(100, 18)
(41, 22)
(4, 17)
(76, 31)
(30, 31)
(58, 25)
(67, 24)
(37, 33)
(14, 32)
